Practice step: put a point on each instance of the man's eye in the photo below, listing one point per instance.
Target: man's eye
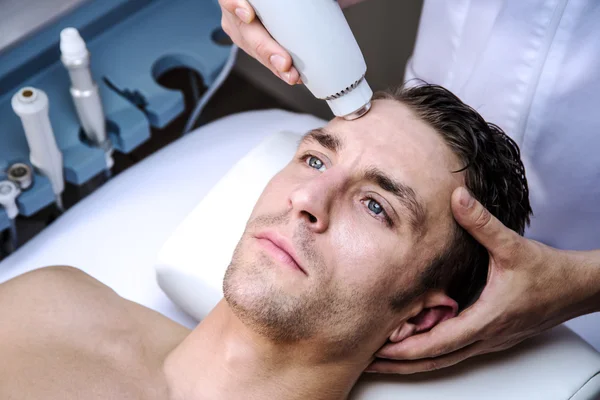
(315, 163)
(378, 211)
(375, 207)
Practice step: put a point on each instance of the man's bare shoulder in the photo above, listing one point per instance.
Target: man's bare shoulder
(48, 296)
(65, 298)
(70, 323)
(62, 294)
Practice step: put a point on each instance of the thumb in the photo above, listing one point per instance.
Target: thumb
(241, 8)
(479, 222)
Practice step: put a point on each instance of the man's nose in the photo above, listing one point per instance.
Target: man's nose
(312, 200)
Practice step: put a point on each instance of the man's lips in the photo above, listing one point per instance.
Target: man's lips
(281, 245)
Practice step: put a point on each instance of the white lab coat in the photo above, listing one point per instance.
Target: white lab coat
(533, 68)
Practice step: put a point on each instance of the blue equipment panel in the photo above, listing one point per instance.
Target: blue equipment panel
(132, 43)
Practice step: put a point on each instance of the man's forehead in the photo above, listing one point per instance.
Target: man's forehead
(389, 128)
(390, 134)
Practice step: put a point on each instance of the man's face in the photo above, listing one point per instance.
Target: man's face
(345, 229)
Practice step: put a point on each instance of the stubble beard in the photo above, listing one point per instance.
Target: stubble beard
(251, 289)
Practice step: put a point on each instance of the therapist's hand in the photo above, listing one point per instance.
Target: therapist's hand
(530, 288)
(240, 23)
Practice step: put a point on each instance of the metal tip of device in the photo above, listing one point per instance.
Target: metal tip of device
(358, 113)
(27, 95)
(14, 239)
(59, 204)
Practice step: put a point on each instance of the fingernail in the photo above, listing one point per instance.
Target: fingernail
(466, 200)
(243, 14)
(278, 62)
(285, 76)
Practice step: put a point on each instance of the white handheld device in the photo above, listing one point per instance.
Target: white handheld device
(31, 105)
(324, 50)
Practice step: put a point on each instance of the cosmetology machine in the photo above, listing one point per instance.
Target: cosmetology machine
(81, 85)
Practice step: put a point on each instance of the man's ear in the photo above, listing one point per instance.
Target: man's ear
(434, 308)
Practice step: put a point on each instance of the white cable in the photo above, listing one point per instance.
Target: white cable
(211, 91)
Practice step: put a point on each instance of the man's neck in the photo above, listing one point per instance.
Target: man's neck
(224, 359)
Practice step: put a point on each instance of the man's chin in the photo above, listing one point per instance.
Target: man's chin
(270, 319)
(268, 306)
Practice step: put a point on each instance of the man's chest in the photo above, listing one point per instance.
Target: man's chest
(64, 335)
(60, 371)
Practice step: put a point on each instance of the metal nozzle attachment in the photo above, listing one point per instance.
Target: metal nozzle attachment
(20, 174)
(353, 102)
(358, 113)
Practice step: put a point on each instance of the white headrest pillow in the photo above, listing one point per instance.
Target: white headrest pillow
(555, 366)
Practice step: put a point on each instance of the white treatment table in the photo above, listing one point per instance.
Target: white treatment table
(115, 235)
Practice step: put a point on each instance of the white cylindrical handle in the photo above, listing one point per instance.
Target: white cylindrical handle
(84, 91)
(31, 105)
(323, 48)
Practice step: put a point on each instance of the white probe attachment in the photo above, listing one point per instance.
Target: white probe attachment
(31, 105)
(84, 91)
(9, 191)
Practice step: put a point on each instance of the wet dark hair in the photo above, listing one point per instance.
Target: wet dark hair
(494, 174)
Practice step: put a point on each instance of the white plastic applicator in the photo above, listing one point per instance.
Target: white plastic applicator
(84, 91)
(31, 105)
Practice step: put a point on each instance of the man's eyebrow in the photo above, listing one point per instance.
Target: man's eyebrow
(329, 140)
(404, 193)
